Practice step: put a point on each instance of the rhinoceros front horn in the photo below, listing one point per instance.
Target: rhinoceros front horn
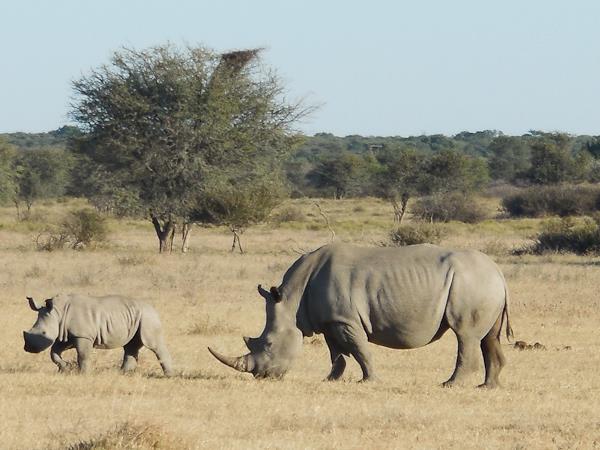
(241, 363)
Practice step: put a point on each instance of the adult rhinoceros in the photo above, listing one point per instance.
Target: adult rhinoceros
(396, 297)
(83, 322)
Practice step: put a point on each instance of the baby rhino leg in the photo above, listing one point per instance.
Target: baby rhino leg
(159, 348)
(131, 352)
(56, 354)
(152, 338)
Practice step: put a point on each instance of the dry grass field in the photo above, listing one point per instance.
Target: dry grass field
(208, 297)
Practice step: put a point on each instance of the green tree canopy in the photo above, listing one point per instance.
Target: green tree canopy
(8, 176)
(160, 122)
(509, 158)
(398, 178)
(42, 173)
(552, 160)
(450, 170)
(343, 174)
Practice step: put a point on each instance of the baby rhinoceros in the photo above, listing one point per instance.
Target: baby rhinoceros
(82, 322)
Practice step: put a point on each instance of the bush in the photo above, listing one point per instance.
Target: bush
(131, 435)
(417, 233)
(85, 228)
(81, 229)
(567, 235)
(553, 200)
(449, 206)
(288, 214)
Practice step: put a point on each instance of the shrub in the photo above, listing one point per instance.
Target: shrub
(81, 229)
(562, 200)
(567, 235)
(288, 214)
(417, 233)
(85, 227)
(449, 206)
(130, 435)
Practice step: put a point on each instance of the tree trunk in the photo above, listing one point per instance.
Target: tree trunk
(185, 236)
(18, 209)
(165, 234)
(399, 208)
(396, 208)
(403, 205)
(236, 240)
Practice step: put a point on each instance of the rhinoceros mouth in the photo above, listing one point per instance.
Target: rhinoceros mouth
(30, 349)
(36, 343)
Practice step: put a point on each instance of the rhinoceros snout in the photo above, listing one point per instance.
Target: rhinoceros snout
(36, 343)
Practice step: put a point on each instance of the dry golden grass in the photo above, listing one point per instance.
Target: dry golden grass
(208, 297)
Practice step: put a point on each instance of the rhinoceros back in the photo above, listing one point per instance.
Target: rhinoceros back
(109, 322)
(398, 296)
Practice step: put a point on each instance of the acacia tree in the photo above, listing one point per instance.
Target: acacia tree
(398, 179)
(158, 121)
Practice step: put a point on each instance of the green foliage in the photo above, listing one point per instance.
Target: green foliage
(450, 170)
(53, 139)
(509, 158)
(416, 233)
(552, 160)
(341, 175)
(8, 176)
(398, 178)
(448, 206)
(239, 202)
(561, 200)
(567, 235)
(158, 121)
(42, 174)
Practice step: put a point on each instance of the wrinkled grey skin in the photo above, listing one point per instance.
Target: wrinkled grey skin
(83, 322)
(395, 297)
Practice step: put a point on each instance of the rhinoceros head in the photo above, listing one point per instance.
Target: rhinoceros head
(273, 352)
(45, 329)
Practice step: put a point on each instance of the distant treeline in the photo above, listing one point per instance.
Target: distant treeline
(325, 165)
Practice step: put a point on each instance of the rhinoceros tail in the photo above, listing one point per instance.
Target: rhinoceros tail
(505, 313)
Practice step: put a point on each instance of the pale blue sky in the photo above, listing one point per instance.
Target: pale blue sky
(377, 67)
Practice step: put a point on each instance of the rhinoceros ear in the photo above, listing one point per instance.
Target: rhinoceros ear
(49, 304)
(275, 294)
(263, 293)
(32, 304)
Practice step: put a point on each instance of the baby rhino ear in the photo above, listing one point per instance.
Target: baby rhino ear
(32, 304)
(49, 304)
(275, 294)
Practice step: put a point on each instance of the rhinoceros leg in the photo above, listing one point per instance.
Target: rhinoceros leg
(84, 351)
(159, 348)
(130, 354)
(492, 355)
(56, 354)
(467, 359)
(354, 341)
(338, 362)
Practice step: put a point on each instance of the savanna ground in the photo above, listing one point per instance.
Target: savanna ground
(208, 297)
